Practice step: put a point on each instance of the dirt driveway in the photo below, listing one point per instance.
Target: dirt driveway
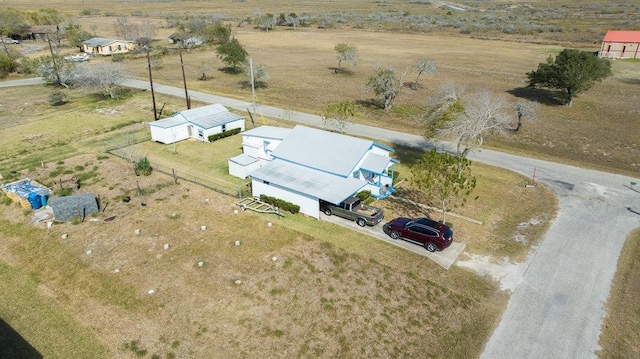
(444, 258)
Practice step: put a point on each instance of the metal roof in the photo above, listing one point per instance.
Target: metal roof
(306, 180)
(622, 36)
(243, 159)
(168, 122)
(322, 150)
(276, 133)
(375, 163)
(101, 41)
(209, 116)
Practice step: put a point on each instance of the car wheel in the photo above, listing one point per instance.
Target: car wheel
(327, 211)
(430, 247)
(361, 222)
(394, 235)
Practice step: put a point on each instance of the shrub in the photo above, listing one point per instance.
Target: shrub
(57, 98)
(280, 203)
(143, 167)
(117, 57)
(224, 134)
(363, 195)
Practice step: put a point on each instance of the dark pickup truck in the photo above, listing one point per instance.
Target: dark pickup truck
(352, 208)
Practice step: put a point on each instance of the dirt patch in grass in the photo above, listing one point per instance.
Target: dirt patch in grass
(621, 328)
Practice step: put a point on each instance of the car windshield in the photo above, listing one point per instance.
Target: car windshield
(448, 233)
(426, 222)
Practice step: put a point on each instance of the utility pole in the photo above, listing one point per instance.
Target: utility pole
(253, 87)
(184, 80)
(153, 96)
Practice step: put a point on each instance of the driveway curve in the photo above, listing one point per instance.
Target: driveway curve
(557, 306)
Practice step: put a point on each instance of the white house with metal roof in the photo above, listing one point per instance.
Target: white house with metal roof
(198, 123)
(304, 165)
(102, 46)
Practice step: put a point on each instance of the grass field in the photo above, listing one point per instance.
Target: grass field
(329, 292)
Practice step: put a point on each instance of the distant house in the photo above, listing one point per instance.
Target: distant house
(198, 123)
(185, 40)
(106, 47)
(39, 32)
(304, 166)
(620, 45)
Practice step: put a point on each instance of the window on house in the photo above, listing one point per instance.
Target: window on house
(609, 48)
(200, 133)
(624, 48)
(110, 49)
(224, 127)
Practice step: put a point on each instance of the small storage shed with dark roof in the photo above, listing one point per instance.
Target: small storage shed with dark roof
(75, 206)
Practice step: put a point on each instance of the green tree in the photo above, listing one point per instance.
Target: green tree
(12, 22)
(75, 35)
(387, 84)
(445, 177)
(217, 33)
(346, 53)
(232, 54)
(339, 115)
(572, 71)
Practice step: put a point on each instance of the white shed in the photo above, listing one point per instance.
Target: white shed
(198, 123)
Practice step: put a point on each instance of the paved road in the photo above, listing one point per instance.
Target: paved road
(556, 309)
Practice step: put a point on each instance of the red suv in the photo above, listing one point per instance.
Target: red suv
(434, 236)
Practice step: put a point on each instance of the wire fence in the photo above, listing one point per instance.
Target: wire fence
(212, 183)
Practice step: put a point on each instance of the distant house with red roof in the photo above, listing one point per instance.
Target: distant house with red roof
(621, 44)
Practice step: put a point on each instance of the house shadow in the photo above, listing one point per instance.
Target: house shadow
(542, 96)
(13, 345)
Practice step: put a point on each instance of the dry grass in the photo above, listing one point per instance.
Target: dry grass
(621, 330)
(329, 292)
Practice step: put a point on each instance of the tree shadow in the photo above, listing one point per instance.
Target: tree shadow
(370, 104)
(630, 81)
(13, 345)
(246, 84)
(543, 96)
(342, 71)
(407, 155)
(412, 85)
(230, 70)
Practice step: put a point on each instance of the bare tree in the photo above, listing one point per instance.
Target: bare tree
(105, 77)
(133, 31)
(423, 66)
(260, 75)
(483, 113)
(293, 20)
(387, 83)
(346, 53)
(525, 109)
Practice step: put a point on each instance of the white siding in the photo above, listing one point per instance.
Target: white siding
(218, 129)
(308, 205)
(169, 135)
